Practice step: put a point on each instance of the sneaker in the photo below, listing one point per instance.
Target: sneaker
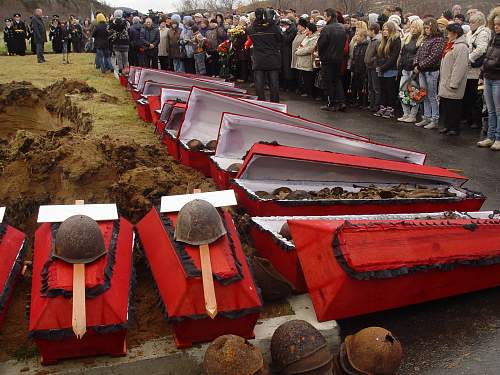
(424, 122)
(403, 118)
(327, 108)
(431, 125)
(443, 130)
(411, 119)
(389, 113)
(454, 132)
(496, 146)
(486, 143)
(380, 111)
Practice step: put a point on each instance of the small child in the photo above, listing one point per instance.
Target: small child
(200, 44)
(358, 69)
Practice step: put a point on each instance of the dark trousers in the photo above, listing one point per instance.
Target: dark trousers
(151, 61)
(333, 80)
(358, 88)
(450, 111)
(243, 70)
(388, 91)
(165, 63)
(307, 82)
(472, 106)
(189, 65)
(133, 60)
(39, 51)
(273, 79)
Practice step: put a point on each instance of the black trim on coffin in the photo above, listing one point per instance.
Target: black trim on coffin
(283, 245)
(89, 292)
(14, 272)
(61, 334)
(326, 202)
(187, 262)
(391, 273)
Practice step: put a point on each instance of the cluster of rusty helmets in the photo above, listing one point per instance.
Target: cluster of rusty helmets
(79, 240)
(371, 351)
(233, 355)
(299, 348)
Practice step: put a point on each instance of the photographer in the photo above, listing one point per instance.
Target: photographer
(266, 37)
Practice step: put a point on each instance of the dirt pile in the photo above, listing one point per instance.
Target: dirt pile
(48, 155)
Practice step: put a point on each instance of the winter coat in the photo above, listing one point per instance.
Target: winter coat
(453, 72)
(371, 52)
(266, 38)
(221, 34)
(163, 46)
(186, 41)
(240, 52)
(299, 37)
(119, 34)
(304, 54)
(101, 36)
(478, 44)
(173, 37)
(428, 57)
(331, 43)
(137, 36)
(286, 51)
(358, 65)
(20, 36)
(491, 66)
(39, 32)
(8, 37)
(408, 53)
(152, 36)
(390, 62)
(212, 42)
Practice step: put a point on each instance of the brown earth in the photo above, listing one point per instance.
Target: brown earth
(49, 154)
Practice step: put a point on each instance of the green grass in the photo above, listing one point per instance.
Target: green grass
(3, 47)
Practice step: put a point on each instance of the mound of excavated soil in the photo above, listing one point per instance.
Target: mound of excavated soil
(48, 156)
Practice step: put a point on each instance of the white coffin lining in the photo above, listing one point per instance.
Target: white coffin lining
(239, 133)
(173, 94)
(205, 110)
(225, 163)
(273, 224)
(269, 185)
(176, 112)
(263, 167)
(276, 106)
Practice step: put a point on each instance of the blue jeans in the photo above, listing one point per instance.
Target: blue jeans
(179, 65)
(492, 99)
(429, 81)
(103, 59)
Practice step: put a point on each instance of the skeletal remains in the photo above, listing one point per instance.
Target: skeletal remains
(197, 145)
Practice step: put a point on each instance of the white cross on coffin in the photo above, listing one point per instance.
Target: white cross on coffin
(2, 213)
(59, 213)
(174, 203)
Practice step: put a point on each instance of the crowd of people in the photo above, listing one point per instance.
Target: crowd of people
(431, 71)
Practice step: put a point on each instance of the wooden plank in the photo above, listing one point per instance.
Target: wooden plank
(79, 318)
(208, 281)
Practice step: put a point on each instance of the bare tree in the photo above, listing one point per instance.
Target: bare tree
(188, 5)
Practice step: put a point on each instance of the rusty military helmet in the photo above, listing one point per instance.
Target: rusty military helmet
(374, 350)
(79, 240)
(198, 223)
(299, 348)
(272, 284)
(264, 195)
(212, 145)
(195, 145)
(285, 232)
(234, 168)
(298, 195)
(233, 355)
(282, 192)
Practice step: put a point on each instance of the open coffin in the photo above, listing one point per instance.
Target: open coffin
(176, 269)
(12, 251)
(239, 133)
(108, 282)
(326, 183)
(358, 267)
(204, 114)
(269, 243)
(168, 98)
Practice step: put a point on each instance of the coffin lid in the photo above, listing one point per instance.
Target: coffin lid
(177, 79)
(178, 108)
(59, 213)
(2, 213)
(174, 203)
(239, 133)
(267, 162)
(173, 94)
(205, 110)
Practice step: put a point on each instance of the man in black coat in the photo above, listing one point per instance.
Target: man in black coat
(8, 35)
(55, 35)
(20, 36)
(266, 37)
(39, 35)
(152, 38)
(331, 45)
(289, 32)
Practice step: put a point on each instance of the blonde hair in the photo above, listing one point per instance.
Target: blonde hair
(361, 26)
(386, 42)
(495, 12)
(419, 25)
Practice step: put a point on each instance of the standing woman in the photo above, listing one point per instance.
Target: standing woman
(427, 63)
(387, 68)
(411, 44)
(101, 44)
(299, 37)
(87, 35)
(187, 44)
(491, 75)
(174, 51)
(304, 58)
(454, 67)
(163, 46)
(478, 39)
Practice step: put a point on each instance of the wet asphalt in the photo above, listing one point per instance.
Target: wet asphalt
(454, 336)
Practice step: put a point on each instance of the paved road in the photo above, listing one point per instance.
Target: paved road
(456, 336)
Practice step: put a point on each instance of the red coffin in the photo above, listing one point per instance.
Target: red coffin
(360, 267)
(109, 284)
(123, 80)
(268, 167)
(12, 251)
(171, 128)
(154, 105)
(143, 111)
(176, 270)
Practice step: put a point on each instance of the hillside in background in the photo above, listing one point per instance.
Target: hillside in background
(63, 8)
